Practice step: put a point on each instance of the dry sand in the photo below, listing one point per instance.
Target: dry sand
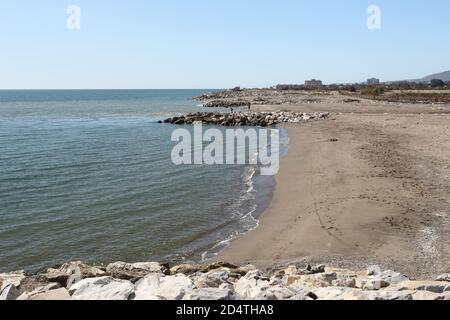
(380, 194)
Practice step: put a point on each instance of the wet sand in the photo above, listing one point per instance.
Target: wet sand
(379, 194)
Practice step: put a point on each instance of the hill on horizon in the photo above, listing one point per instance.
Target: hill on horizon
(444, 76)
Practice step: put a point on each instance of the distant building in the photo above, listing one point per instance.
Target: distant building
(373, 81)
(313, 83)
(236, 89)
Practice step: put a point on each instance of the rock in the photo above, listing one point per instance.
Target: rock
(214, 294)
(261, 119)
(379, 279)
(444, 277)
(103, 288)
(134, 271)
(431, 286)
(282, 293)
(212, 279)
(393, 295)
(265, 296)
(318, 269)
(245, 269)
(50, 292)
(373, 270)
(335, 293)
(291, 270)
(85, 270)
(14, 278)
(374, 284)
(9, 292)
(392, 277)
(427, 296)
(157, 287)
(310, 281)
(72, 272)
(186, 269)
(252, 285)
(344, 281)
(55, 275)
(218, 265)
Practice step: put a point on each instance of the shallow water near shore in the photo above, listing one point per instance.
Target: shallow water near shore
(87, 175)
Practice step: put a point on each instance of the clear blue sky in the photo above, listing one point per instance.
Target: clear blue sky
(218, 43)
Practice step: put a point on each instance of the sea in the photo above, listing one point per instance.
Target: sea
(87, 175)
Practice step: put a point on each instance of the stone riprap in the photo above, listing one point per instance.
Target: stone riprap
(255, 119)
(216, 281)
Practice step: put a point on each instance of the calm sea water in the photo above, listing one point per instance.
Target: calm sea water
(87, 175)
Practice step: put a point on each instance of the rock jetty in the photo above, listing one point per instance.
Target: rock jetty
(258, 119)
(226, 104)
(216, 281)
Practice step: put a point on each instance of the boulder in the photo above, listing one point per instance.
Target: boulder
(344, 281)
(335, 293)
(72, 272)
(214, 294)
(52, 291)
(391, 295)
(134, 271)
(55, 275)
(427, 296)
(444, 277)
(9, 292)
(159, 287)
(310, 281)
(15, 278)
(252, 285)
(103, 288)
(373, 270)
(85, 270)
(186, 269)
(282, 293)
(431, 286)
(212, 279)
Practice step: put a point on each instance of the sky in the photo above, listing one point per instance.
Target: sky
(146, 44)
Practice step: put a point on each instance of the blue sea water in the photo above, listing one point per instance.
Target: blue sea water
(87, 175)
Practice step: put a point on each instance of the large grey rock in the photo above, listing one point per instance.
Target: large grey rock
(204, 294)
(431, 286)
(282, 293)
(9, 292)
(85, 270)
(341, 293)
(134, 271)
(343, 280)
(444, 277)
(379, 279)
(103, 288)
(428, 296)
(393, 295)
(15, 278)
(50, 292)
(55, 275)
(214, 279)
(186, 269)
(252, 285)
(159, 287)
(72, 272)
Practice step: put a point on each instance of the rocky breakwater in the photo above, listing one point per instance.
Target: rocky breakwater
(226, 104)
(217, 281)
(261, 119)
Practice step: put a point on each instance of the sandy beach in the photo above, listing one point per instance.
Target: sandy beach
(368, 185)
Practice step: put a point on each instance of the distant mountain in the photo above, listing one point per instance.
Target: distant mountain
(444, 76)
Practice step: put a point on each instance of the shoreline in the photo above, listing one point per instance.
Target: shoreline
(347, 195)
